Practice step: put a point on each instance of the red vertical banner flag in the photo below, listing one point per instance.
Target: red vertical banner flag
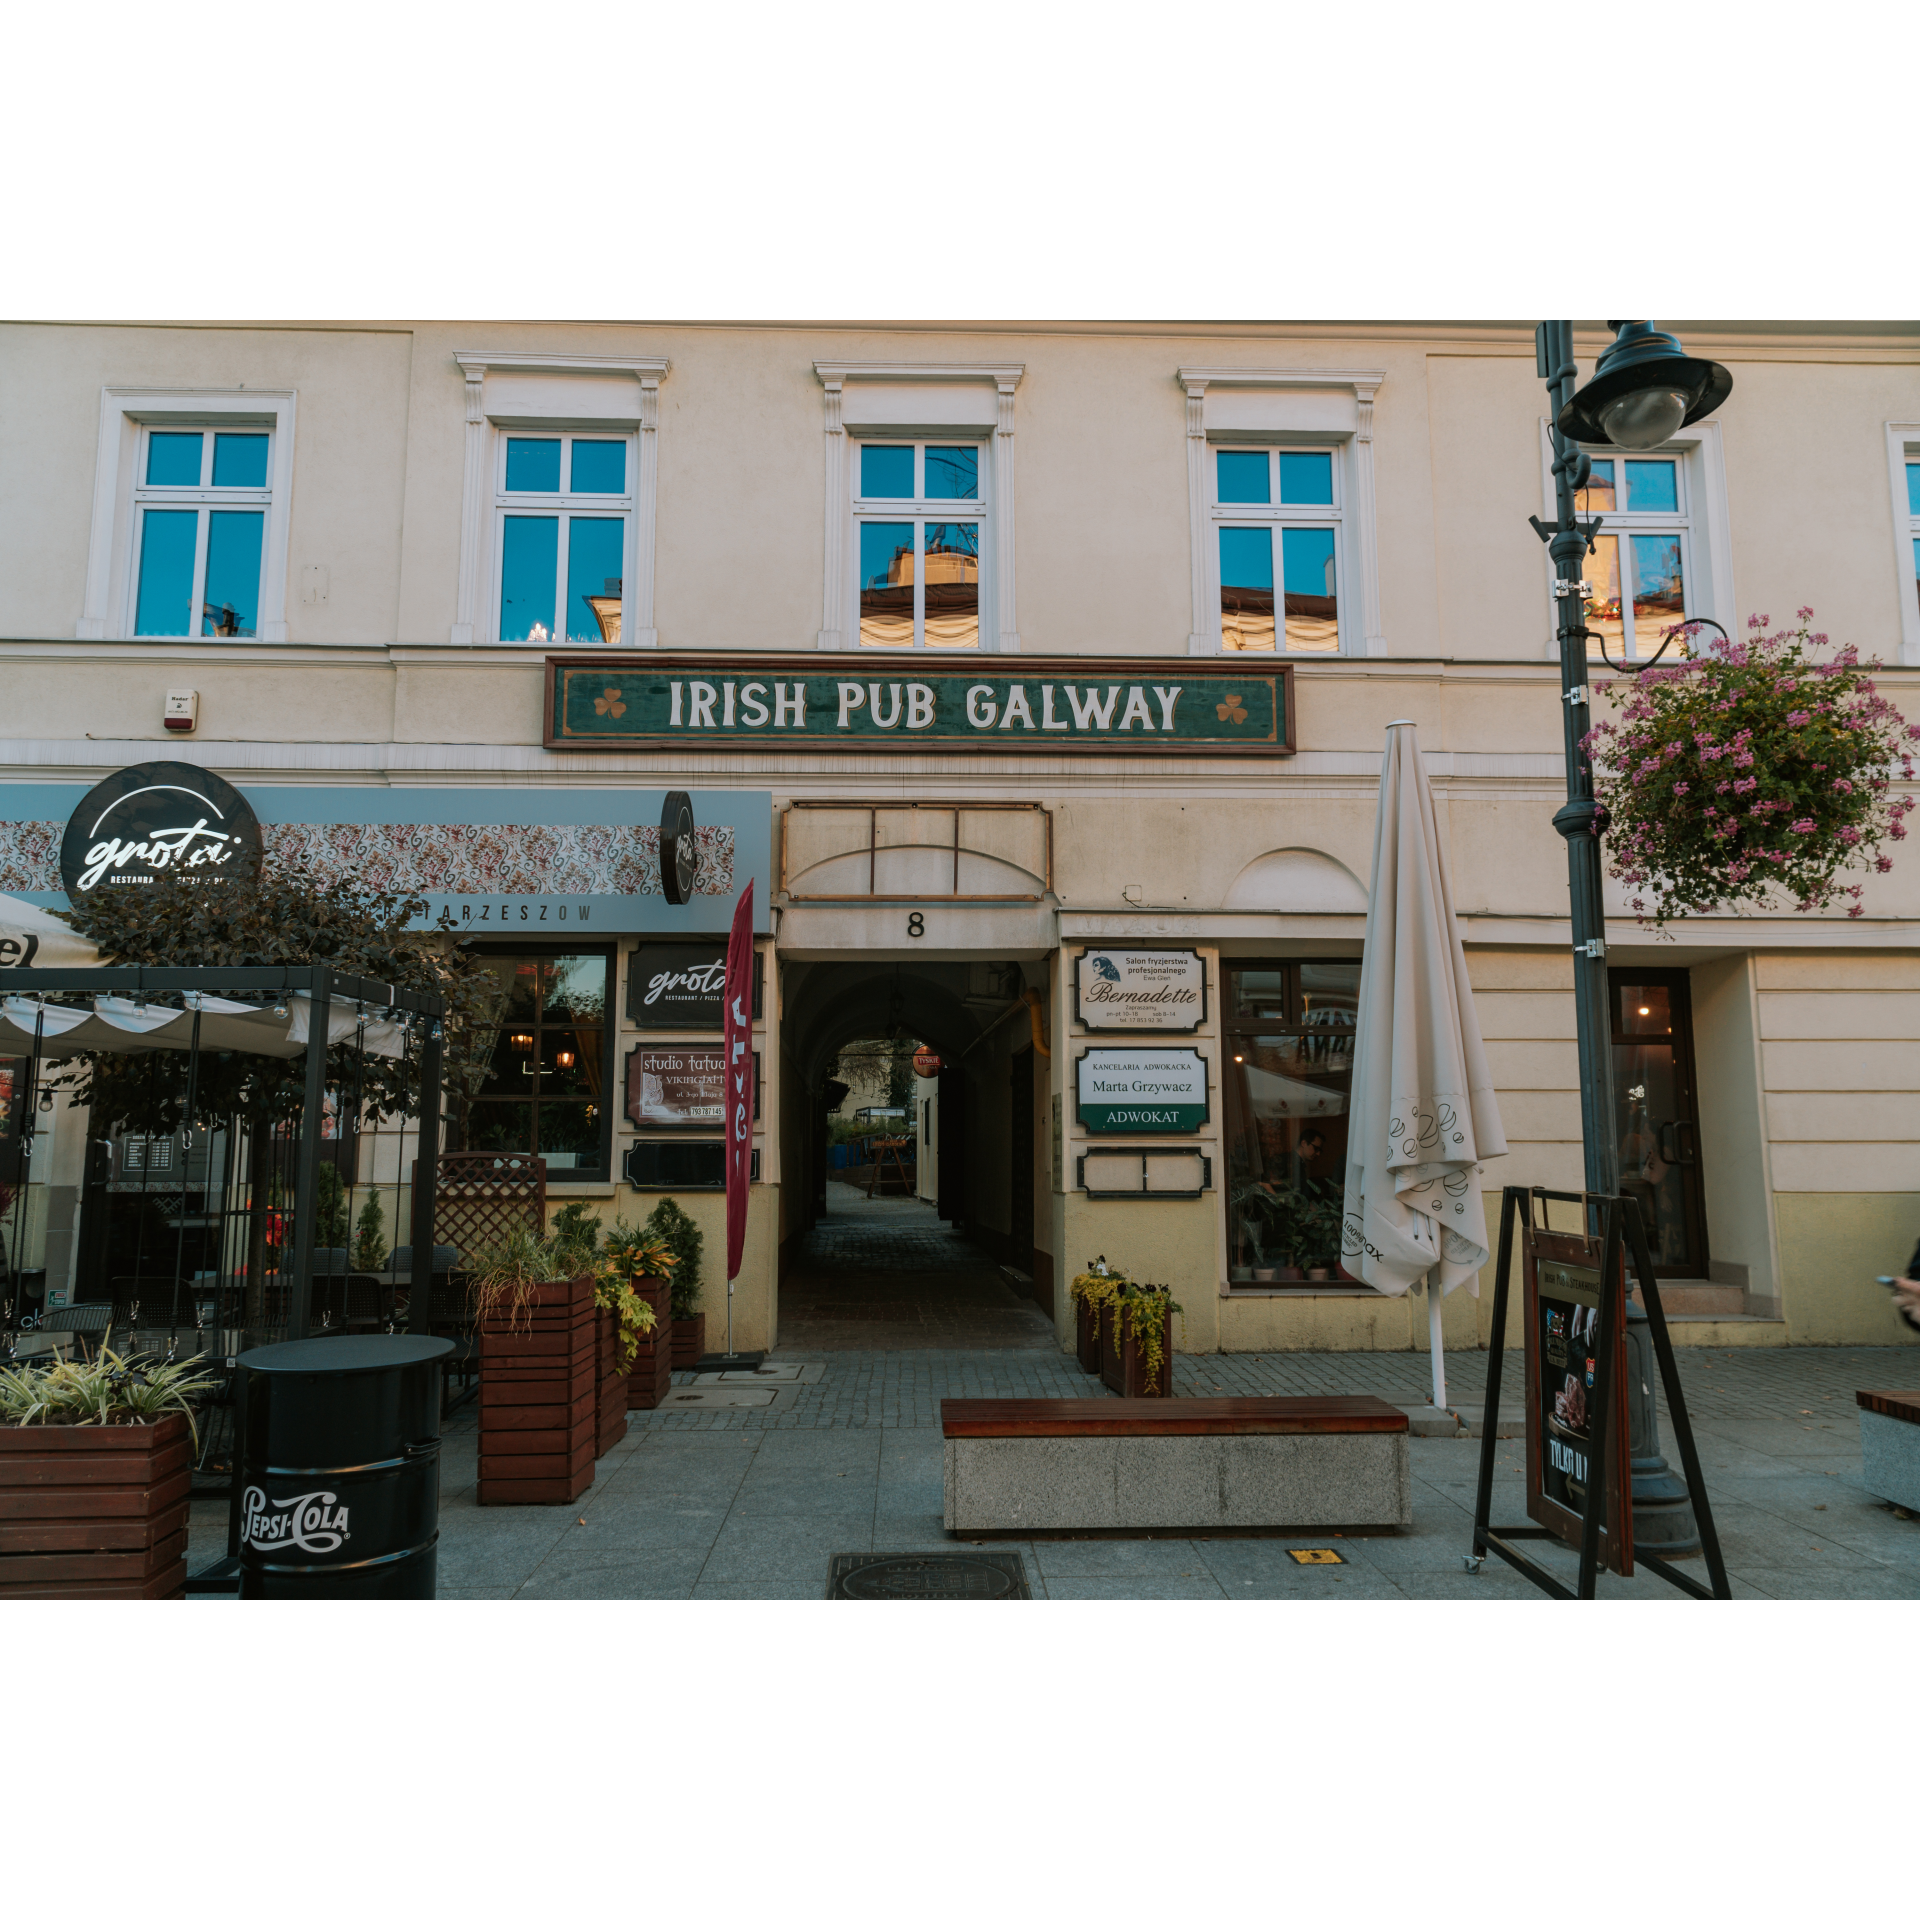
(737, 1035)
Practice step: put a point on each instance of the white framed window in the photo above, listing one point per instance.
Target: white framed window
(191, 516)
(1276, 536)
(561, 500)
(1903, 461)
(562, 503)
(1640, 565)
(1664, 552)
(1281, 510)
(919, 500)
(919, 513)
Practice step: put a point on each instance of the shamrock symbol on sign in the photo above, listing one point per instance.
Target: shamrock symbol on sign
(1230, 709)
(610, 702)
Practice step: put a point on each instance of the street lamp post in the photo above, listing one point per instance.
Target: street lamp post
(1644, 388)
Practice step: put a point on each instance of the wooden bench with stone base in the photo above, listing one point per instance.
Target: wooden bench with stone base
(1890, 1446)
(1201, 1466)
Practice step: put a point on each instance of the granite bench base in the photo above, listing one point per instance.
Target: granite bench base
(1890, 1446)
(1188, 1466)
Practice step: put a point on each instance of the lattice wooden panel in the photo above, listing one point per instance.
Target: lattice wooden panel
(481, 1195)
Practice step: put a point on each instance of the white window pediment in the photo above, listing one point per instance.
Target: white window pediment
(556, 393)
(892, 400)
(1278, 407)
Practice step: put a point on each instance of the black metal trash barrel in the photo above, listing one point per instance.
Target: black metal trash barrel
(340, 1468)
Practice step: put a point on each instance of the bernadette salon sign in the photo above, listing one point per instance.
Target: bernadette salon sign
(879, 702)
(1117, 990)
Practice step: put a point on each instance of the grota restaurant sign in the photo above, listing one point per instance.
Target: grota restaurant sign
(162, 820)
(986, 702)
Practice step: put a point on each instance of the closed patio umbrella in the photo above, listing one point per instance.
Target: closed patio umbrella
(1423, 1116)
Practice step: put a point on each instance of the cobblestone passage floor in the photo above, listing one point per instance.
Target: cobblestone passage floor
(750, 1505)
(888, 1274)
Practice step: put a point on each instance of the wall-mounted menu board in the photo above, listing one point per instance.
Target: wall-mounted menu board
(1564, 1350)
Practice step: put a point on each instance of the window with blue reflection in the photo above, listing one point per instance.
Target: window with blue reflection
(1307, 560)
(533, 466)
(230, 604)
(594, 549)
(1652, 487)
(953, 473)
(1242, 479)
(173, 459)
(167, 542)
(599, 466)
(886, 554)
(886, 473)
(1913, 487)
(529, 562)
(1659, 590)
(1246, 558)
(239, 459)
(1306, 479)
(1597, 495)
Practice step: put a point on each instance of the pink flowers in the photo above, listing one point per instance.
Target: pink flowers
(1680, 786)
(1843, 786)
(1799, 718)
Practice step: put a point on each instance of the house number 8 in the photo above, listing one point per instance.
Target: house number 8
(916, 925)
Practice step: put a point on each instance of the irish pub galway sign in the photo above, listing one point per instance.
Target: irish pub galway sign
(992, 703)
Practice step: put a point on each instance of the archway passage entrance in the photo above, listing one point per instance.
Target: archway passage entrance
(895, 1271)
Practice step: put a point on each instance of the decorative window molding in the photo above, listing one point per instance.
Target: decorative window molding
(563, 392)
(1278, 407)
(1903, 455)
(107, 611)
(900, 401)
(1703, 518)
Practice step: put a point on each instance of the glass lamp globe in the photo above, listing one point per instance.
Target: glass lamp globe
(1646, 418)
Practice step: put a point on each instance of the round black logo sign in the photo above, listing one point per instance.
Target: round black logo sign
(679, 853)
(163, 820)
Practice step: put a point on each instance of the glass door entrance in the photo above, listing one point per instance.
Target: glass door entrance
(1656, 1116)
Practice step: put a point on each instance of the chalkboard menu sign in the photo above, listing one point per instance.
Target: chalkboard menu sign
(1565, 1341)
(677, 984)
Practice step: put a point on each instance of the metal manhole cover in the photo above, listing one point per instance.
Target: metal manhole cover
(927, 1576)
(713, 1399)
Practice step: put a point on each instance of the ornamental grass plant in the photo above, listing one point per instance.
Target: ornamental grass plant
(1752, 771)
(105, 1390)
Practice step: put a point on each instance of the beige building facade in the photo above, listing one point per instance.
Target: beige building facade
(375, 540)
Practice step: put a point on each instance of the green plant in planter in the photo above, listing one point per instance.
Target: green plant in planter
(685, 1242)
(1145, 1312)
(1099, 1286)
(370, 1241)
(633, 1253)
(1751, 768)
(104, 1391)
(329, 1206)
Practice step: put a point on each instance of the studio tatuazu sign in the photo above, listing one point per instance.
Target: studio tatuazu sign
(921, 704)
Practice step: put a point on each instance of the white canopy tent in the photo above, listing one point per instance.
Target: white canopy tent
(116, 1024)
(1423, 1116)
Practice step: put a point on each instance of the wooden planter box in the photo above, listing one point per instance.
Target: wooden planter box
(1126, 1372)
(610, 1388)
(95, 1513)
(689, 1339)
(1086, 1336)
(652, 1371)
(539, 1396)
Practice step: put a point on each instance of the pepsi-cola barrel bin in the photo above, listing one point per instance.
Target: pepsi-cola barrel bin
(340, 1468)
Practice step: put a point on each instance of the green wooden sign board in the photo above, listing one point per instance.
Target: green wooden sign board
(995, 703)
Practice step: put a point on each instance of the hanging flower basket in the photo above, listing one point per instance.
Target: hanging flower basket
(1753, 770)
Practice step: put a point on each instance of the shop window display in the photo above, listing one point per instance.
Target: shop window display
(1289, 1081)
(543, 1091)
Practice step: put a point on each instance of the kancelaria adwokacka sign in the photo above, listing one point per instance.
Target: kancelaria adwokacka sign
(923, 705)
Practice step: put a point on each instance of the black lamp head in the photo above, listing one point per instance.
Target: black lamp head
(1644, 388)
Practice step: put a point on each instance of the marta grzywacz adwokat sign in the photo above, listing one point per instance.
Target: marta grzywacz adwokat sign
(1142, 1090)
(987, 702)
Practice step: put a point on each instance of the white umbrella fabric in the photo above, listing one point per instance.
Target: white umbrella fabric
(1423, 1116)
(118, 1025)
(30, 936)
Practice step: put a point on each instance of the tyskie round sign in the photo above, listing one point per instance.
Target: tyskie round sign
(162, 820)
